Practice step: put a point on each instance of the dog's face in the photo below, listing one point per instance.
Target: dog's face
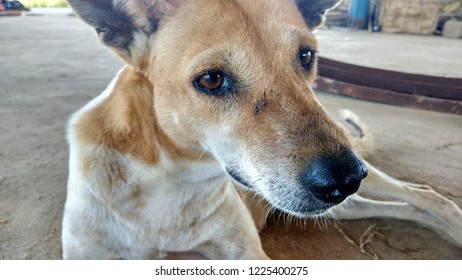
(232, 78)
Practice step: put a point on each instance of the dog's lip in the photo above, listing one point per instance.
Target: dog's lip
(308, 213)
(233, 174)
(305, 214)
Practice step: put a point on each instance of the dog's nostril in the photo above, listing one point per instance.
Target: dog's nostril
(332, 178)
(336, 196)
(362, 171)
(334, 193)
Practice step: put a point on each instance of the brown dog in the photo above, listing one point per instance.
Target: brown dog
(215, 93)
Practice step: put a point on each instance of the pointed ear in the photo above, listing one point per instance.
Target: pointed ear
(313, 11)
(124, 26)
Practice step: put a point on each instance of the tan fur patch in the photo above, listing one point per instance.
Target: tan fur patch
(125, 121)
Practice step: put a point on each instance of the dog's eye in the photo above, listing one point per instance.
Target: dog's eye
(215, 82)
(211, 80)
(306, 57)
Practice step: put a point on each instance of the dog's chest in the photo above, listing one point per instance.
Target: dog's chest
(146, 211)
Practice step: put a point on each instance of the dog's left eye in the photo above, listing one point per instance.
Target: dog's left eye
(306, 57)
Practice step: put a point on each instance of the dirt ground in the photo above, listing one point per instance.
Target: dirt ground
(51, 65)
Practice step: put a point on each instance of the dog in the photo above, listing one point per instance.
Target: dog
(215, 95)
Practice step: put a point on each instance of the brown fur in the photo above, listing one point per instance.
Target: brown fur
(125, 122)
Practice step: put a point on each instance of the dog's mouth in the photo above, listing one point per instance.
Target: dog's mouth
(305, 211)
(238, 178)
(296, 205)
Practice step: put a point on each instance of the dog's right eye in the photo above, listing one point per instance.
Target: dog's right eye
(213, 82)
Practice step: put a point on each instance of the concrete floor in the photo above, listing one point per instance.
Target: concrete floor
(52, 65)
(429, 55)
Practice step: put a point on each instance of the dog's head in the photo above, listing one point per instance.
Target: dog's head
(232, 78)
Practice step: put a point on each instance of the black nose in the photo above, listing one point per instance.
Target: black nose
(333, 177)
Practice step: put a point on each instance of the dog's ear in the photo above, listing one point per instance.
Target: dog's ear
(125, 26)
(313, 11)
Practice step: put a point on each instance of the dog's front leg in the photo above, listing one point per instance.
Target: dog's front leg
(384, 196)
(225, 249)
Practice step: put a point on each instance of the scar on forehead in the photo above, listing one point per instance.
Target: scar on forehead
(258, 106)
